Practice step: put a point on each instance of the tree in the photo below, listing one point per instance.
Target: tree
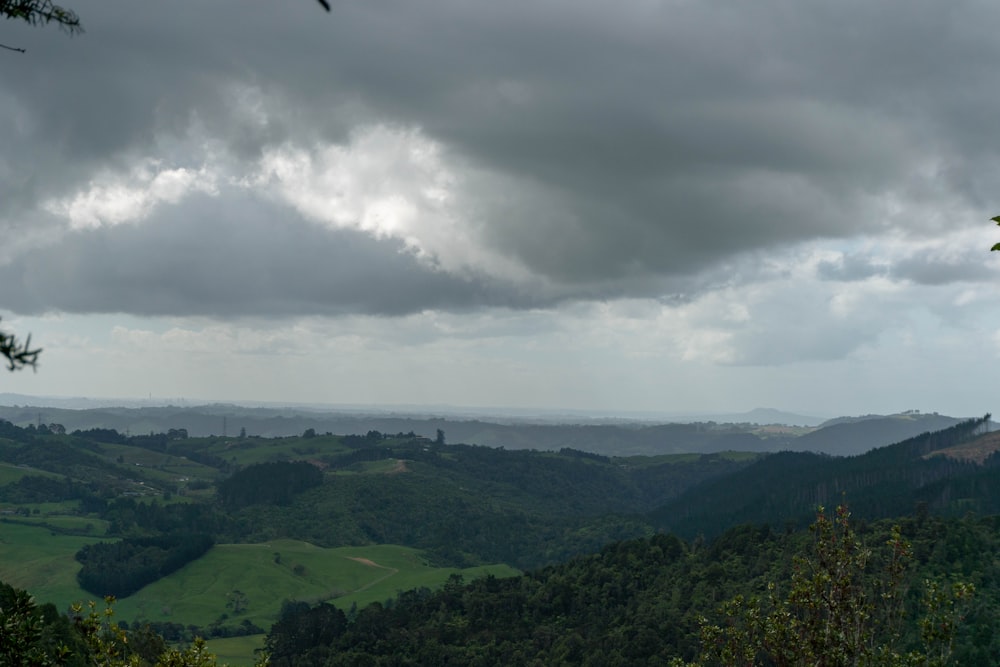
(238, 601)
(838, 613)
(996, 219)
(94, 638)
(21, 630)
(111, 646)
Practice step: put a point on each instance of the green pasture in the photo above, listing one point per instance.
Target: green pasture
(35, 559)
(270, 573)
(11, 473)
(639, 462)
(64, 507)
(63, 522)
(262, 450)
(739, 456)
(689, 457)
(380, 467)
(157, 465)
(236, 651)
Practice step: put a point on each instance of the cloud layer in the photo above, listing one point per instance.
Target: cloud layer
(757, 183)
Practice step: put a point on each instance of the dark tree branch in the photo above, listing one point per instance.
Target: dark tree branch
(18, 354)
(40, 12)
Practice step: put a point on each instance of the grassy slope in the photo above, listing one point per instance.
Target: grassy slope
(164, 467)
(327, 570)
(236, 651)
(198, 592)
(10, 473)
(259, 450)
(34, 559)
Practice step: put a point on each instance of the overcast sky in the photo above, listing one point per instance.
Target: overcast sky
(646, 205)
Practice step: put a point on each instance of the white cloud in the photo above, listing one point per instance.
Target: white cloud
(115, 198)
(391, 182)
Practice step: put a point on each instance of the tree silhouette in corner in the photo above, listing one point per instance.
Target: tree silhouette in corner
(18, 354)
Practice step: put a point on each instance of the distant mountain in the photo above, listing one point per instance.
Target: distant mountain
(747, 432)
(761, 416)
(847, 436)
(619, 439)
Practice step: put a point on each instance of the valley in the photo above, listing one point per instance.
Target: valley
(300, 522)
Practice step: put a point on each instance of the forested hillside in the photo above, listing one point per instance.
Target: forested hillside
(885, 482)
(636, 602)
(849, 437)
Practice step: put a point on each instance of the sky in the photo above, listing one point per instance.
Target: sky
(643, 205)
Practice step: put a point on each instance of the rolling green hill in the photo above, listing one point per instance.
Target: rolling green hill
(450, 508)
(357, 519)
(268, 574)
(271, 573)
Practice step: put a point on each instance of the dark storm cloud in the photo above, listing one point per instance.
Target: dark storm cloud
(932, 271)
(659, 139)
(207, 257)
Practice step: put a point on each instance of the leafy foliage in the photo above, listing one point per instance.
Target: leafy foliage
(31, 636)
(109, 645)
(25, 639)
(838, 611)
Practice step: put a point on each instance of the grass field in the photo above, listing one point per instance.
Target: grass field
(11, 473)
(65, 523)
(236, 651)
(41, 562)
(33, 558)
(260, 450)
(164, 467)
(269, 574)
(650, 461)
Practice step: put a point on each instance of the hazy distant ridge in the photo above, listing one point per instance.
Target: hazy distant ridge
(842, 436)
